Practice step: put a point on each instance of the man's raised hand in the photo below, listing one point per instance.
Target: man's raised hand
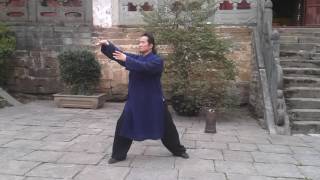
(102, 41)
(119, 56)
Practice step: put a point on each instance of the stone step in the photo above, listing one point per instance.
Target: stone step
(131, 48)
(303, 103)
(124, 41)
(120, 29)
(297, 63)
(306, 127)
(304, 114)
(314, 31)
(302, 75)
(118, 33)
(296, 81)
(301, 34)
(298, 59)
(299, 39)
(299, 54)
(121, 35)
(301, 71)
(302, 92)
(311, 47)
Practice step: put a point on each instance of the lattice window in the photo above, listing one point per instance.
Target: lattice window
(61, 10)
(234, 4)
(51, 11)
(132, 7)
(226, 5)
(129, 10)
(147, 7)
(243, 5)
(13, 10)
(60, 3)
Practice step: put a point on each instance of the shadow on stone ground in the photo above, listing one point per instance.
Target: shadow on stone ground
(41, 142)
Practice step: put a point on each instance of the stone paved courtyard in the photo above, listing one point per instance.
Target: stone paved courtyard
(41, 142)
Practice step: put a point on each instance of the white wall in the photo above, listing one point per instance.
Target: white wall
(114, 12)
(236, 16)
(102, 13)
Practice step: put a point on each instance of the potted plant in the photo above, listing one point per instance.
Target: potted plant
(80, 72)
(197, 70)
(218, 99)
(7, 47)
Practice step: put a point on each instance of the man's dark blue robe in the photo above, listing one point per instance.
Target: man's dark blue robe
(144, 109)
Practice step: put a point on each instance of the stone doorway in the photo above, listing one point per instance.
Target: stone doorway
(288, 12)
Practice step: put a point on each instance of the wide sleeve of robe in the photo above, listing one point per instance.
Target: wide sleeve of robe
(153, 64)
(136, 56)
(108, 50)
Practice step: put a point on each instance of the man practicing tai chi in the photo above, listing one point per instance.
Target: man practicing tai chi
(145, 115)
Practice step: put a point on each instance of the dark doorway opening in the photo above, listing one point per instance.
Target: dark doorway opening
(288, 12)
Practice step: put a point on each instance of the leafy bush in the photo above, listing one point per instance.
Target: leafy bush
(7, 47)
(185, 105)
(80, 71)
(197, 71)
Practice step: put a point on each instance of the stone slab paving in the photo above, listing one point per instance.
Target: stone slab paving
(41, 142)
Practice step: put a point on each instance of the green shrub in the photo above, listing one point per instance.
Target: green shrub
(7, 47)
(185, 105)
(197, 71)
(80, 71)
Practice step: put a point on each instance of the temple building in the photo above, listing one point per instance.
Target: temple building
(286, 30)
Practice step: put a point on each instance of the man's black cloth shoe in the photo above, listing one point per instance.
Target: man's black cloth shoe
(183, 155)
(112, 161)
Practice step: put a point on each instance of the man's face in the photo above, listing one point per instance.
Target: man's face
(144, 46)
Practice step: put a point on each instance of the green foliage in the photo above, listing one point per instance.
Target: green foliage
(197, 70)
(186, 105)
(80, 70)
(7, 47)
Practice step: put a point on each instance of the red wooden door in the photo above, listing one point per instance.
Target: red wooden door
(312, 13)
